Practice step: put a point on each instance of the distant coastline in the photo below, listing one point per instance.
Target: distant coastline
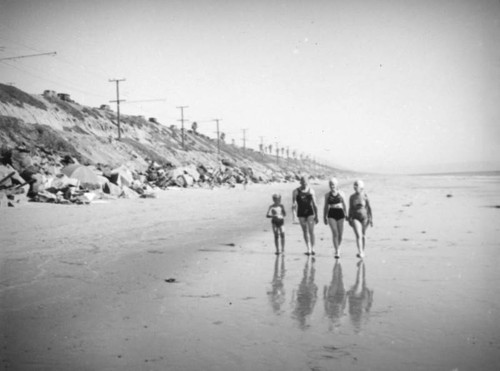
(461, 173)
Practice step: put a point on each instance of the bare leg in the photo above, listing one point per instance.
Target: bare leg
(365, 227)
(282, 236)
(276, 239)
(310, 224)
(358, 231)
(340, 228)
(335, 236)
(304, 225)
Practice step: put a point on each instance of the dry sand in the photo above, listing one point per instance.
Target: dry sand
(86, 287)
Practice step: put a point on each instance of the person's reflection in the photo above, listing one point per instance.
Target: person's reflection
(277, 293)
(360, 298)
(305, 295)
(334, 295)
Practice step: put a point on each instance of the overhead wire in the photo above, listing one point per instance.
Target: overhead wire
(62, 82)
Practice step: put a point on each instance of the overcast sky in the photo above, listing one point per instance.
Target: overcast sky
(383, 86)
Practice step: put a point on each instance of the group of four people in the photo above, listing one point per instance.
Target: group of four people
(335, 212)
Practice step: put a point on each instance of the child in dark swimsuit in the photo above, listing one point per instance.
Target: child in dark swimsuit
(360, 215)
(334, 213)
(277, 214)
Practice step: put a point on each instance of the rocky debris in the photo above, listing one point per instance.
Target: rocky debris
(42, 176)
(13, 188)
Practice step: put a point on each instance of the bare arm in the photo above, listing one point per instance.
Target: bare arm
(283, 210)
(344, 205)
(325, 209)
(294, 202)
(369, 210)
(349, 213)
(268, 215)
(314, 205)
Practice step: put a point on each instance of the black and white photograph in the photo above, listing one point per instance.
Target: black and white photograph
(250, 185)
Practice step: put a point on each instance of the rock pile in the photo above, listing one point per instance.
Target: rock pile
(37, 175)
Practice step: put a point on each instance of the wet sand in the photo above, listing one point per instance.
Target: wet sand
(189, 281)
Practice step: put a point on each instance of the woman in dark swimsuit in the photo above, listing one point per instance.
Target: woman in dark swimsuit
(360, 215)
(334, 213)
(304, 206)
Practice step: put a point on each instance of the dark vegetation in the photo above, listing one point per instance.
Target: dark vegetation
(67, 107)
(11, 94)
(14, 132)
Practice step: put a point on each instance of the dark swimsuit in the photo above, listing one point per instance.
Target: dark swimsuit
(278, 222)
(304, 204)
(334, 212)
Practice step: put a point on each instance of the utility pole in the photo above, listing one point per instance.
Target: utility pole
(182, 123)
(218, 136)
(117, 104)
(244, 139)
(262, 146)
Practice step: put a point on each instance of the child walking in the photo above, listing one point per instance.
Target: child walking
(277, 214)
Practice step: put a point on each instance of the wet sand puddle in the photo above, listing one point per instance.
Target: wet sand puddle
(255, 311)
(267, 313)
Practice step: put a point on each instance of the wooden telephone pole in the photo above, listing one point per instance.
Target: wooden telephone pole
(218, 136)
(117, 104)
(182, 123)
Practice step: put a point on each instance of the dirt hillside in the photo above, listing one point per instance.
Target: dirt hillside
(53, 122)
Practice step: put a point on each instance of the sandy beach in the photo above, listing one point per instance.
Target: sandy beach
(189, 281)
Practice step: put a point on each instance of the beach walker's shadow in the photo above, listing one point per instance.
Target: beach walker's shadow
(335, 296)
(360, 298)
(304, 297)
(277, 293)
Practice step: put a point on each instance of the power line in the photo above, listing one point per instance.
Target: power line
(28, 56)
(146, 100)
(66, 84)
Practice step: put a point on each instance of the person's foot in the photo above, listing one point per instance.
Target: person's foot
(313, 253)
(337, 256)
(307, 253)
(277, 253)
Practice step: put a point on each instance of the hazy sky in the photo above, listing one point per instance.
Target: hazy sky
(386, 86)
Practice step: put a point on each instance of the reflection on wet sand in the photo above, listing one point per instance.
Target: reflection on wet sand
(334, 295)
(277, 293)
(305, 296)
(360, 298)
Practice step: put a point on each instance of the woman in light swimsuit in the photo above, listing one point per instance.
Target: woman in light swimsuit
(360, 215)
(334, 213)
(304, 206)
